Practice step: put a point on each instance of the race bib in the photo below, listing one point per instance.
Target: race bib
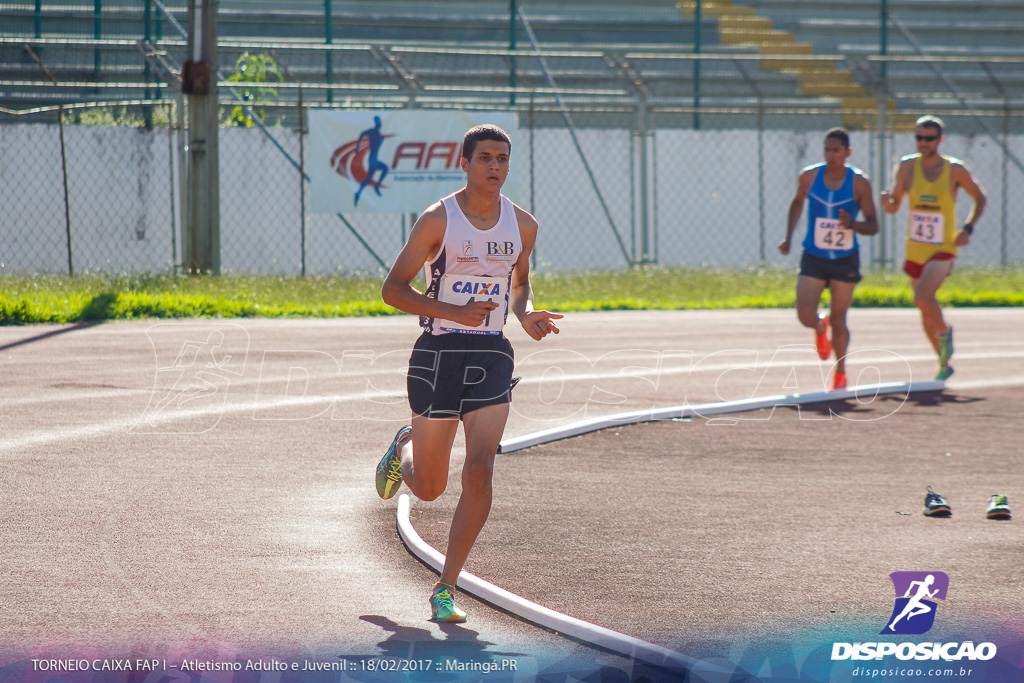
(461, 289)
(926, 227)
(829, 234)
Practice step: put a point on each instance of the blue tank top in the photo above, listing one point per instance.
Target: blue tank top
(825, 238)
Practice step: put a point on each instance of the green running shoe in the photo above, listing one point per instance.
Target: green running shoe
(946, 346)
(389, 471)
(998, 508)
(442, 605)
(944, 373)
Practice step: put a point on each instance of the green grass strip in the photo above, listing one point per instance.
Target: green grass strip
(30, 299)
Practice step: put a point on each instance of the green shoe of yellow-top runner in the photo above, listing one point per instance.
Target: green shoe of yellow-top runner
(389, 471)
(442, 605)
(945, 346)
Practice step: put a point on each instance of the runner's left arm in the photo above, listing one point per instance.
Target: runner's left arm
(963, 178)
(538, 324)
(866, 202)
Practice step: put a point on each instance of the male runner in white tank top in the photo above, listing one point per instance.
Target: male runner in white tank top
(475, 246)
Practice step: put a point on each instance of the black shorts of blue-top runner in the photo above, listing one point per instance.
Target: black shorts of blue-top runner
(456, 373)
(845, 269)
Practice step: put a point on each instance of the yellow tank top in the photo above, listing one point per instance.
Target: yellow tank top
(932, 225)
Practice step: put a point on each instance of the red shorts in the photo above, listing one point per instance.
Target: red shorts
(914, 269)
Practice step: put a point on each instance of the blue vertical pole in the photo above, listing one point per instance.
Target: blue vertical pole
(883, 39)
(696, 65)
(329, 39)
(97, 30)
(39, 18)
(512, 46)
(147, 32)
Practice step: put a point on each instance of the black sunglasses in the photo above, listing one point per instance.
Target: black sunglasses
(926, 138)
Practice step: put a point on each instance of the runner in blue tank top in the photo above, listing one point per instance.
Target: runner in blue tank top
(836, 193)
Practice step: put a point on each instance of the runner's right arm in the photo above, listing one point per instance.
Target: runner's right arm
(423, 245)
(902, 176)
(796, 207)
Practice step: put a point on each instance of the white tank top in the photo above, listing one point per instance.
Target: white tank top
(473, 264)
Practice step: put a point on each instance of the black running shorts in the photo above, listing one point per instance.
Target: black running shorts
(456, 373)
(846, 269)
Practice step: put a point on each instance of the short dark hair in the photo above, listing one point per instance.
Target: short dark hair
(487, 131)
(930, 121)
(839, 134)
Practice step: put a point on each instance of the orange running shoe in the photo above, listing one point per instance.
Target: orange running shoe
(821, 342)
(838, 381)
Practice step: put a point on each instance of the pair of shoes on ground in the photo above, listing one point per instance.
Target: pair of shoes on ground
(936, 506)
(945, 353)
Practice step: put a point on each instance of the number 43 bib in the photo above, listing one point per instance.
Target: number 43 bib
(462, 289)
(927, 227)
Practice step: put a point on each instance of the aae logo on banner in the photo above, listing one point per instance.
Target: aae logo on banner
(392, 161)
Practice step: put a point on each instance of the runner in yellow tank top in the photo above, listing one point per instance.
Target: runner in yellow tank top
(931, 226)
(932, 181)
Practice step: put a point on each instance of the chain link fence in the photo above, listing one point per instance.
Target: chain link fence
(108, 198)
(647, 137)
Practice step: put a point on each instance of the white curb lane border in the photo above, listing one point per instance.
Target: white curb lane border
(585, 631)
(864, 393)
(538, 614)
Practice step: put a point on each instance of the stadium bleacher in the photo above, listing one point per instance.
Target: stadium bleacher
(792, 54)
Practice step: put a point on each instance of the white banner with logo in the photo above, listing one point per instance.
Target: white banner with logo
(387, 161)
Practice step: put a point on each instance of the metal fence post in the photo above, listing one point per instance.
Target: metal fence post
(64, 172)
(655, 231)
(302, 183)
(645, 239)
(632, 194)
(533, 192)
(170, 175)
(203, 253)
(884, 222)
(883, 49)
(1004, 227)
(760, 181)
(184, 211)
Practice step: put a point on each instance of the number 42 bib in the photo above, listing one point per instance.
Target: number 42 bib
(829, 234)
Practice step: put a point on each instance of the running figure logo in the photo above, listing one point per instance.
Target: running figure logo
(916, 592)
(193, 372)
(373, 164)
